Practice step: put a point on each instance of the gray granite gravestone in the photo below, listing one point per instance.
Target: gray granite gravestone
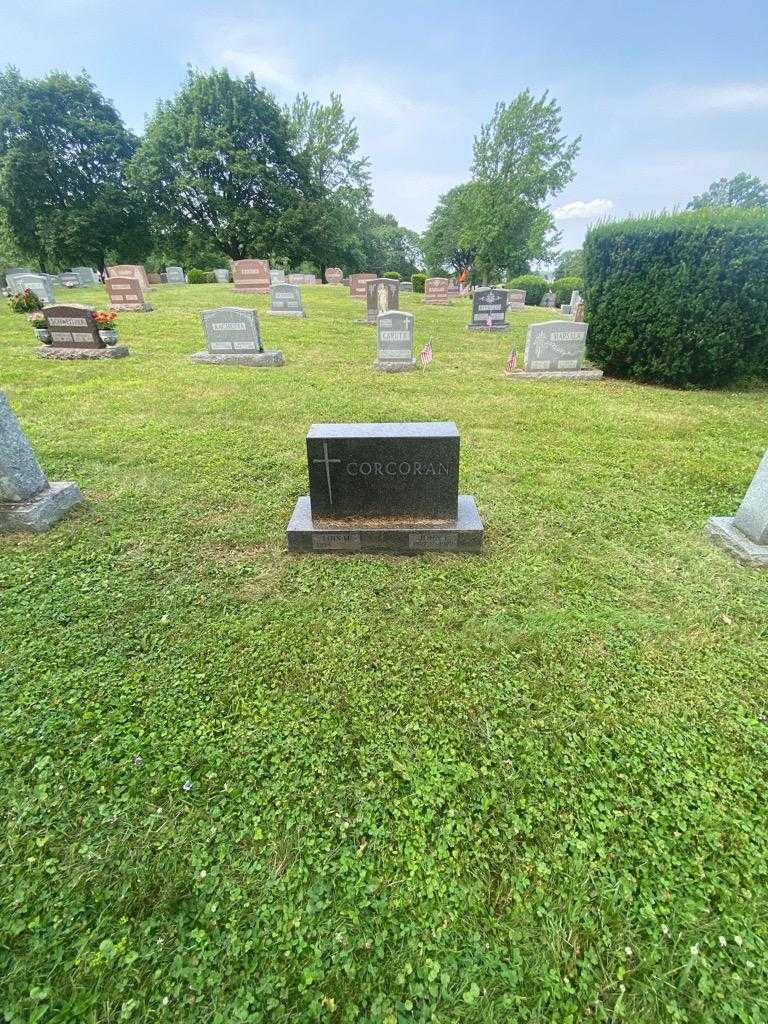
(333, 275)
(69, 279)
(126, 295)
(489, 310)
(395, 342)
(277, 276)
(40, 284)
(233, 337)
(74, 334)
(565, 308)
(390, 487)
(27, 500)
(555, 350)
(745, 536)
(175, 275)
(357, 283)
(406, 286)
(381, 294)
(436, 291)
(285, 300)
(251, 276)
(515, 298)
(221, 275)
(548, 300)
(575, 299)
(86, 276)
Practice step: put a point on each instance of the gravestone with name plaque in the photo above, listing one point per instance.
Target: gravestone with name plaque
(489, 310)
(554, 351)
(745, 535)
(277, 276)
(382, 294)
(221, 275)
(126, 295)
(130, 270)
(285, 300)
(69, 279)
(251, 276)
(436, 291)
(391, 487)
(548, 300)
(395, 342)
(515, 298)
(233, 337)
(175, 275)
(357, 283)
(28, 500)
(406, 286)
(40, 285)
(74, 334)
(86, 276)
(333, 275)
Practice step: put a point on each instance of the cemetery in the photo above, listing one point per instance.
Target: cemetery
(384, 640)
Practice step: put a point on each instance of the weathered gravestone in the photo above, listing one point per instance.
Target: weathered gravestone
(86, 276)
(126, 295)
(285, 300)
(130, 270)
(74, 334)
(406, 286)
(175, 275)
(548, 300)
(384, 487)
(357, 283)
(69, 279)
(222, 275)
(233, 336)
(565, 308)
(555, 350)
(515, 298)
(157, 279)
(301, 279)
(745, 535)
(575, 299)
(381, 294)
(27, 500)
(277, 276)
(333, 275)
(395, 342)
(436, 291)
(251, 276)
(40, 284)
(489, 310)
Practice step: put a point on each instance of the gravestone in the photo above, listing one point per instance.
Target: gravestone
(395, 342)
(301, 279)
(406, 286)
(28, 501)
(222, 275)
(555, 350)
(384, 487)
(575, 299)
(69, 279)
(382, 294)
(233, 337)
(86, 276)
(515, 298)
(489, 310)
(745, 535)
(548, 300)
(277, 276)
(40, 284)
(251, 276)
(285, 300)
(333, 275)
(565, 308)
(357, 283)
(578, 312)
(130, 270)
(156, 279)
(175, 275)
(436, 291)
(125, 294)
(74, 334)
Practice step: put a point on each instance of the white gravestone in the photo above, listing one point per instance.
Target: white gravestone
(745, 536)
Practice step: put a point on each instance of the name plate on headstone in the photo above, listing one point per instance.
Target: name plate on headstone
(395, 337)
(357, 283)
(436, 291)
(382, 294)
(231, 329)
(489, 309)
(286, 299)
(72, 327)
(251, 276)
(125, 293)
(557, 345)
(384, 470)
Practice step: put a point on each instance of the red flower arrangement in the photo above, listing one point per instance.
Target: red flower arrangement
(105, 321)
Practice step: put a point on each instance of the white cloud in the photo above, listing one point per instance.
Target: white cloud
(728, 97)
(275, 70)
(580, 210)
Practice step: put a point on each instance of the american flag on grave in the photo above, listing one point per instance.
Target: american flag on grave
(426, 354)
(489, 321)
(511, 363)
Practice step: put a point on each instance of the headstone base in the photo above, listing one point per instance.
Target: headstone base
(398, 537)
(274, 358)
(41, 512)
(724, 534)
(486, 329)
(252, 291)
(139, 307)
(554, 375)
(299, 314)
(58, 352)
(371, 323)
(401, 366)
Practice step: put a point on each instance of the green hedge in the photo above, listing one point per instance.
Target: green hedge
(418, 281)
(533, 285)
(201, 277)
(679, 299)
(564, 286)
(393, 274)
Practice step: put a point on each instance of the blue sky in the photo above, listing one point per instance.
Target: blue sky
(667, 95)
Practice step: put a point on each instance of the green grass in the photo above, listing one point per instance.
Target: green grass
(511, 788)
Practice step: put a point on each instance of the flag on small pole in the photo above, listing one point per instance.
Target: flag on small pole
(489, 322)
(511, 363)
(425, 356)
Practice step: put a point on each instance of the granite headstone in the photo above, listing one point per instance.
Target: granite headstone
(489, 310)
(232, 335)
(745, 535)
(436, 291)
(333, 275)
(357, 283)
(125, 294)
(175, 275)
(395, 342)
(285, 300)
(382, 294)
(251, 276)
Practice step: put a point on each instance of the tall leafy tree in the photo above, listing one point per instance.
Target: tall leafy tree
(218, 160)
(570, 264)
(450, 238)
(63, 156)
(741, 190)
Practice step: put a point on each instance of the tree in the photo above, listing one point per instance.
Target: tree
(742, 190)
(217, 160)
(63, 155)
(570, 264)
(449, 241)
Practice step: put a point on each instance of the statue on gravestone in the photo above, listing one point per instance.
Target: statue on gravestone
(27, 500)
(382, 298)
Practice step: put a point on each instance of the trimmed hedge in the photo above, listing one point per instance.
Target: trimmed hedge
(564, 286)
(679, 299)
(392, 274)
(534, 286)
(201, 277)
(418, 281)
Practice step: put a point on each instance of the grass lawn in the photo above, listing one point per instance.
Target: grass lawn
(528, 786)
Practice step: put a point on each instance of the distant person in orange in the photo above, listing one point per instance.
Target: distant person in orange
(462, 281)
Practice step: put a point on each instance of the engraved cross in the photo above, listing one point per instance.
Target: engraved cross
(327, 463)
